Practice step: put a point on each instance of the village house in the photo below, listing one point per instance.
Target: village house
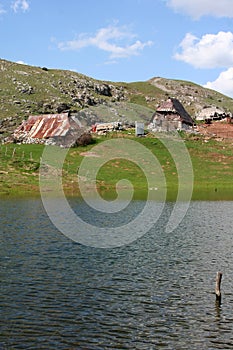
(58, 129)
(171, 116)
(212, 113)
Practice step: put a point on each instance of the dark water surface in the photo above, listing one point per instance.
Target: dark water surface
(156, 293)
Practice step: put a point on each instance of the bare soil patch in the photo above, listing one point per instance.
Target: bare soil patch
(217, 129)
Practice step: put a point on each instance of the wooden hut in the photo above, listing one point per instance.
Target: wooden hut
(171, 116)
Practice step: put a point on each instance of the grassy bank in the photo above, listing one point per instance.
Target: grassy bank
(212, 164)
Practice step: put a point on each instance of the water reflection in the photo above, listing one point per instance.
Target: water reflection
(155, 293)
(218, 310)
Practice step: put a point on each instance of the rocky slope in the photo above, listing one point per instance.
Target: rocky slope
(194, 97)
(27, 90)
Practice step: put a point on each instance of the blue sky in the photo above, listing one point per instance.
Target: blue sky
(124, 40)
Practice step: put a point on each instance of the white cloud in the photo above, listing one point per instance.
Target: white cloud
(223, 84)
(20, 5)
(199, 8)
(114, 40)
(2, 11)
(211, 51)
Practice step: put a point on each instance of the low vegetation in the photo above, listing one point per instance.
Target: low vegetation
(27, 90)
(212, 165)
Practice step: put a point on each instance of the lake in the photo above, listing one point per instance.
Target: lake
(154, 293)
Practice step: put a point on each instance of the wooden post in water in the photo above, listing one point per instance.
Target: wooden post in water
(218, 288)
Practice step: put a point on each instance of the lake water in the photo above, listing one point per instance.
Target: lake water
(155, 293)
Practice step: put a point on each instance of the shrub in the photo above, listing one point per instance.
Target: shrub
(84, 140)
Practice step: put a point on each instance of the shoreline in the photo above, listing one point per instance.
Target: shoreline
(109, 195)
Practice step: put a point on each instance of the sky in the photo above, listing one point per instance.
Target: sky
(123, 40)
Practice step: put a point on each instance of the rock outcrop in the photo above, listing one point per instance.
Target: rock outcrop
(27, 90)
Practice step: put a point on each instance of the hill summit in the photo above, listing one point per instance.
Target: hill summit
(28, 90)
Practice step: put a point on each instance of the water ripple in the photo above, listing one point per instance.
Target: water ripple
(157, 293)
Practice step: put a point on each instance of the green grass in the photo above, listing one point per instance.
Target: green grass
(145, 88)
(212, 166)
(53, 86)
(138, 91)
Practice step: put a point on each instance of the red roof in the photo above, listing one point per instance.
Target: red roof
(44, 126)
(167, 106)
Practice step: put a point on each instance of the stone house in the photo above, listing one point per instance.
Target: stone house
(171, 116)
(212, 113)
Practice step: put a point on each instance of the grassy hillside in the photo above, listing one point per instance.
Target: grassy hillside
(26, 90)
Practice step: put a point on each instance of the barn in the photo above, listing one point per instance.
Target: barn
(171, 116)
(58, 129)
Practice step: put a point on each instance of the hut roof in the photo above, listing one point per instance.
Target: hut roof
(44, 126)
(173, 106)
(60, 129)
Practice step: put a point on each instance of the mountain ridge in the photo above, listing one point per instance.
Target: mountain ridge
(28, 90)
